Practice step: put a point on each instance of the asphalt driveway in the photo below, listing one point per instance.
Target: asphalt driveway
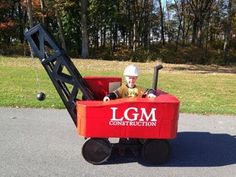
(44, 142)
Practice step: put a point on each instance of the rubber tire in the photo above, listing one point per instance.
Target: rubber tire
(155, 152)
(96, 150)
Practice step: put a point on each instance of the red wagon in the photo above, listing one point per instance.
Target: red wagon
(152, 119)
(142, 125)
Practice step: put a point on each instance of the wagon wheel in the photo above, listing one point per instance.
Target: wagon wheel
(96, 151)
(156, 151)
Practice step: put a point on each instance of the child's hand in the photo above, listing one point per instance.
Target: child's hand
(151, 95)
(106, 98)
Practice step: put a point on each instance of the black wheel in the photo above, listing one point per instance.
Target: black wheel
(96, 151)
(155, 152)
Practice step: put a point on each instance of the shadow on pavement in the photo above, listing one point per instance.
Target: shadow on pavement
(203, 149)
(189, 149)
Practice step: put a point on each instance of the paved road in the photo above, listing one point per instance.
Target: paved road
(40, 142)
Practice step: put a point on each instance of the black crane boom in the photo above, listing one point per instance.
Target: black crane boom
(59, 67)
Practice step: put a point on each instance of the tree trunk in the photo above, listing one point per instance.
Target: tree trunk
(194, 35)
(61, 31)
(134, 37)
(228, 27)
(85, 52)
(30, 12)
(146, 26)
(30, 18)
(180, 26)
(42, 5)
(200, 35)
(95, 36)
(162, 23)
(21, 24)
(177, 38)
(115, 31)
(104, 31)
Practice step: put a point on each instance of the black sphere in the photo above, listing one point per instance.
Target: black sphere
(41, 96)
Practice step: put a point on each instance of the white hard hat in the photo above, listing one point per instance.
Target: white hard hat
(131, 70)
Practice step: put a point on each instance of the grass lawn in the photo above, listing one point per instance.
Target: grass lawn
(200, 89)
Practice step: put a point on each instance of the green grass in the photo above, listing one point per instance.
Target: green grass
(22, 78)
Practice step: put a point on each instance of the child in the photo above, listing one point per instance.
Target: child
(130, 89)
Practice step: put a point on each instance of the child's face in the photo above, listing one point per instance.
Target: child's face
(131, 80)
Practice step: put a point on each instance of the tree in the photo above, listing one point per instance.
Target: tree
(162, 22)
(227, 31)
(201, 10)
(30, 12)
(30, 17)
(184, 21)
(84, 6)
(7, 21)
(42, 5)
(60, 29)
